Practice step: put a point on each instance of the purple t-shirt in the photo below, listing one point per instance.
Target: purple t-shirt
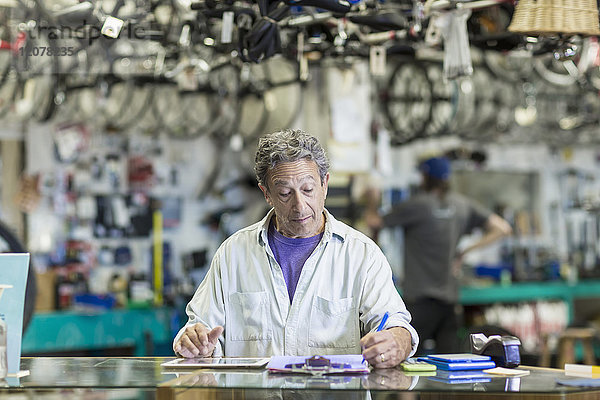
(291, 254)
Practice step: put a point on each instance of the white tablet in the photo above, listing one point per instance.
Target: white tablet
(217, 362)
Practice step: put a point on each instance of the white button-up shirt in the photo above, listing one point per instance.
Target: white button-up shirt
(343, 291)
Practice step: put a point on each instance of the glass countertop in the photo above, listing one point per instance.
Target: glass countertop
(147, 374)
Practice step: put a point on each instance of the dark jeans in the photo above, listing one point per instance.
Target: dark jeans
(437, 320)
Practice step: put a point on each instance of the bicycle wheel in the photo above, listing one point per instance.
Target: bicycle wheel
(559, 73)
(512, 66)
(252, 113)
(483, 122)
(225, 82)
(212, 165)
(408, 102)
(465, 107)
(37, 66)
(5, 65)
(7, 92)
(444, 105)
(166, 105)
(141, 99)
(126, 102)
(283, 96)
(108, 103)
(200, 111)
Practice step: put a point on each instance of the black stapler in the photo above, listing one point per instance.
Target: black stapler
(504, 350)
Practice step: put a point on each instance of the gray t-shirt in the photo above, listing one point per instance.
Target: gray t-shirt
(432, 230)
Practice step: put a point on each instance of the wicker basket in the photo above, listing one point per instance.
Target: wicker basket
(538, 17)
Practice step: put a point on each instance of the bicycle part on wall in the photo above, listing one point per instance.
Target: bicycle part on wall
(512, 66)
(284, 93)
(494, 106)
(506, 102)
(488, 104)
(187, 52)
(200, 110)
(488, 28)
(408, 102)
(559, 73)
(445, 101)
(106, 102)
(465, 107)
(553, 104)
(275, 99)
(8, 89)
(166, 106)
(37, 76)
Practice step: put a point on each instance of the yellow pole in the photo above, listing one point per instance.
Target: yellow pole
(157, 226)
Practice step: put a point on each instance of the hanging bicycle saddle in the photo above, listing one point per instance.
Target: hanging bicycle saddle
(263, 40)
(488, 28)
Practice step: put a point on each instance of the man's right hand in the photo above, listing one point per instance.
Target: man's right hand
(198, 341)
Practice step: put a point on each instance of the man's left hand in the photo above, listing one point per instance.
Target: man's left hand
(388, 348)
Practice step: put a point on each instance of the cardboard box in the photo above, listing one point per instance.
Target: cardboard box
(45, 298)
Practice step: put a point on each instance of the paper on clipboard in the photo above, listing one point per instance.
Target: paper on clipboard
(339, 364)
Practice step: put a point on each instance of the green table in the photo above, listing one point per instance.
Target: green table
(530, 291)
(75, 330)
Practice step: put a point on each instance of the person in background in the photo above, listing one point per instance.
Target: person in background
(298, 282)
(434, 220)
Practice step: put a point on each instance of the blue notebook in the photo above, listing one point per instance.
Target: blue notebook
(465, 374)
(459, 380)
(459, 357)
(459, 362)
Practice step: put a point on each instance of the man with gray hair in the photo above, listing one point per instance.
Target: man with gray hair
(299, 282)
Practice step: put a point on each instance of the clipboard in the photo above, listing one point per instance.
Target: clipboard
(319, 365)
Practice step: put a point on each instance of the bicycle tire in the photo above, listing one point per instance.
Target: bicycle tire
(511, 67)
(465, 107)
(483, 120)
(253, 115)
(445, 104)
(7, 92)
(225, 81)
(554, 72)
(408, 102)
(214, 170)
(105, 101)
(37, 68)
(5, 65)
(199, 112)
(170, 112)
(119, 110)
(142, 96)
(286, 90)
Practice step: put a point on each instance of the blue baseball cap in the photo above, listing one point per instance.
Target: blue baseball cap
(436, 167)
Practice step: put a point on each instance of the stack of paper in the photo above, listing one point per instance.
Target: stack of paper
(586, 371)
(513, 372)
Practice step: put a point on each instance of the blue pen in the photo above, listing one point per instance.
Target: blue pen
(383, 321)
(381, 326)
